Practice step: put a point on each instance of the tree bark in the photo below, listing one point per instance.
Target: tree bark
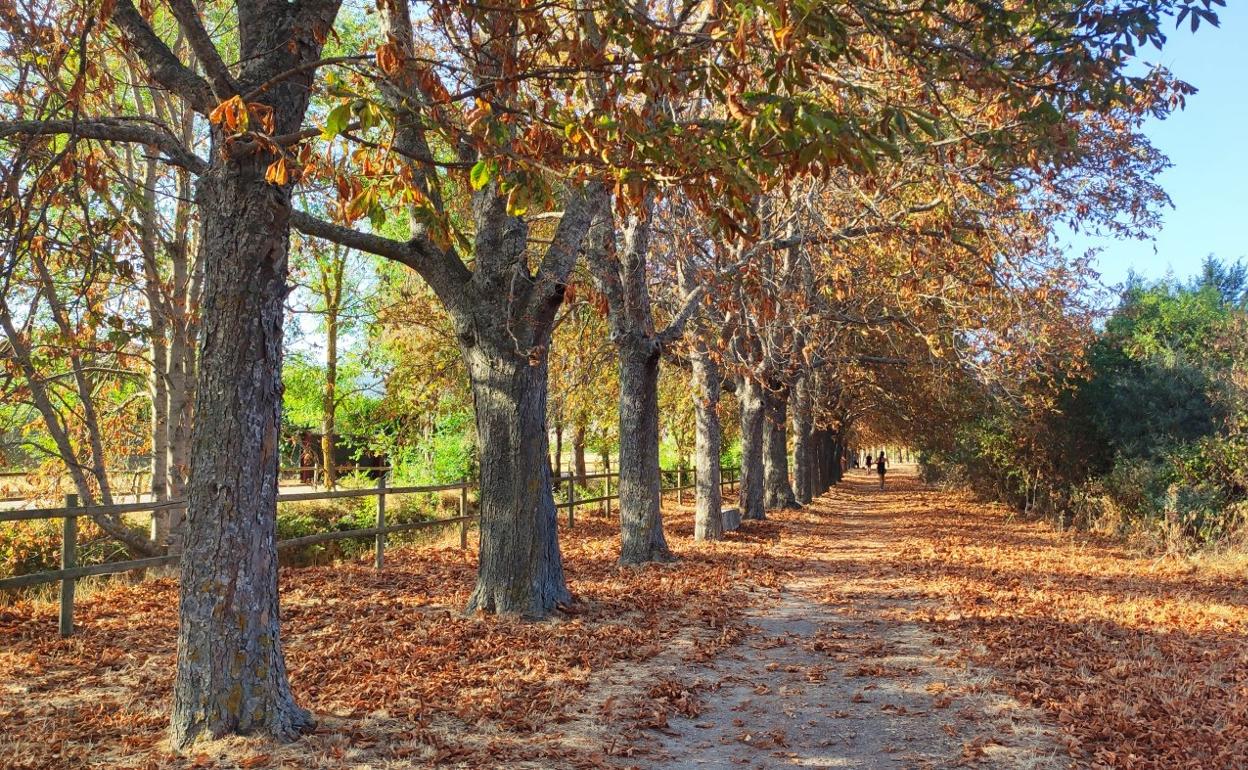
(640, 485)
(778, 491)
(578, 450)
(750, 395)
(231, 675)
(802, 448)
(557, 463)
(708, 522)
(331, 287)
(520, 569)
(817, 486)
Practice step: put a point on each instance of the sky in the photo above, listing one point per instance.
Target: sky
(1208, 144)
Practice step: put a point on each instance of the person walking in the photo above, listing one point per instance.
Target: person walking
(880, 463)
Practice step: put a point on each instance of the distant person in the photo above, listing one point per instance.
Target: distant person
(870, 461)
(880, 462)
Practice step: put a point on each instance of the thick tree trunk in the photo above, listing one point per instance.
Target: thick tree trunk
(641, 522)
(802, 441)
(708, 521)
(750, 396)
(778, 491)
(520, 568)
(231, 675)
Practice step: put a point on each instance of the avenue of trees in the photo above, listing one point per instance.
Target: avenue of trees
(635, 228)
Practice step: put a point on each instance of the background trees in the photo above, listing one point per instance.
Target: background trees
(1147, 438)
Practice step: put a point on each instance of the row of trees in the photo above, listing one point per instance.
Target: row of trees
(802, 202)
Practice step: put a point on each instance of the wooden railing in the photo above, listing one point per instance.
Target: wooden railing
(140, 478)
(70, 572)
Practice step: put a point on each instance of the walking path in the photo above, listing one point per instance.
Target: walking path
(842, 673)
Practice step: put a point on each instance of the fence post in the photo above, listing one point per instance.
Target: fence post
(381, 522)
(463, 516)
(69, 559)
(680, 484)
(572, 501)
(608, 495)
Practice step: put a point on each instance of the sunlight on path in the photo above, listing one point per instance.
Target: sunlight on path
(840, 675)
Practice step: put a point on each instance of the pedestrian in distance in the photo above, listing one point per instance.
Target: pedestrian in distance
(880, 463)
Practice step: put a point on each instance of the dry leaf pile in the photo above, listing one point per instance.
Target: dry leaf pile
(1142, 662)
(395, 672)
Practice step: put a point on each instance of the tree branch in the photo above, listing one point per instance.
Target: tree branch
(220, 80)
(444, 273)
(162, 65)
(111, 130)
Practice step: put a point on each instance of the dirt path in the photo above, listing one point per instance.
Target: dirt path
(841, 672)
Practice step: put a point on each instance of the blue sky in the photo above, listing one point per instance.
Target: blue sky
(1208, 145)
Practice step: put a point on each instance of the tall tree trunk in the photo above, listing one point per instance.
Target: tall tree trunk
(640, 486)
(750, 396)
(802, 443)
(778, 491)
(708, 521)
(329, 398)
(832, 444)
(158, 316)
(578, 450)
(520, 569)
(817, 485)
(184, 333)
(231, 675)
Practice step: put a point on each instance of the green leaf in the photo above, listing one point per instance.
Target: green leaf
(482, 172)
(337, 121)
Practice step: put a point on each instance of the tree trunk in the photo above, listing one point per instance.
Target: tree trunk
(329, 397)
(159, 380)
(184, 322)
(558, 455)
(520, 568)
(708, 521)
(838, 457)
(231, 675)
(578, 450)
(750, 396)
(802, 441)
(778, 491)
(640, 483)
(817, 486)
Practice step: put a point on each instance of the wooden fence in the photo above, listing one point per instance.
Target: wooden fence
(70, 572)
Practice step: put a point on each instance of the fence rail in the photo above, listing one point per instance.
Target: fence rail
(70, 572)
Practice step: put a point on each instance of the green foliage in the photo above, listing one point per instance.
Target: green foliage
(447, 456)
(1153, 439)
